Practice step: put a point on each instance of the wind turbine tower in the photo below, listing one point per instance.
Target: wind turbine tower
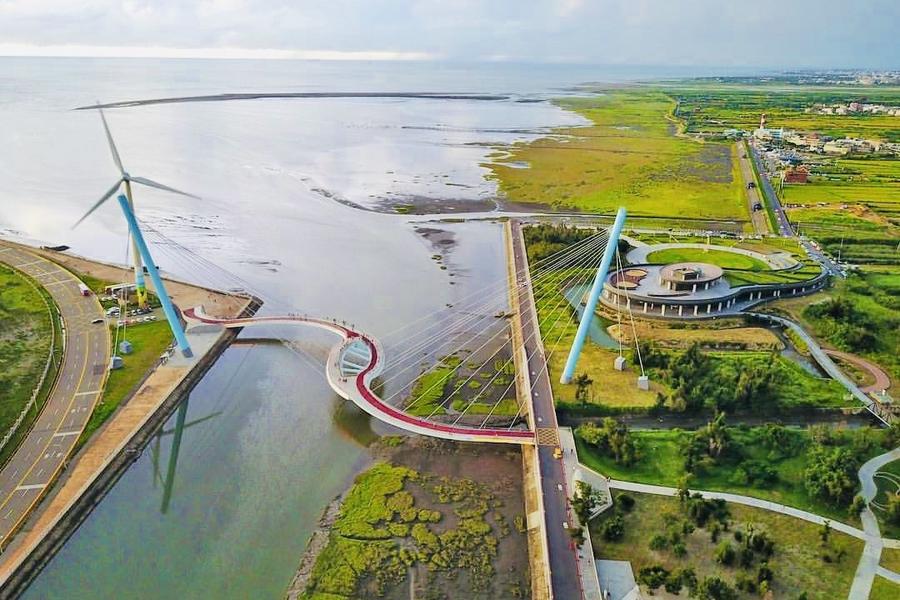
(139, 250)
(125, 180)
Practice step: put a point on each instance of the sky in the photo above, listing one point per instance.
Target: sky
(762, 33)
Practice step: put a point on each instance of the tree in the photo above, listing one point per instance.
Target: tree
(683, 492)
(577, 534)
(725, 554)
(613, 529)
(653, 576)
(583, 385)
(612, 438)
(892, 508)
(717, 435)
(714, 588)
(586, 499)
(857, 506)
(825, 532)
(831, 474)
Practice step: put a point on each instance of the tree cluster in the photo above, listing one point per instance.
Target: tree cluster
(698, 381)
(847, 326)
(611, 438)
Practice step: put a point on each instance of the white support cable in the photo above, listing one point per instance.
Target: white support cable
(289, 345)
(413, 352)
(584, 279)
(500, 298)
(558, 275)
(637, 346)
(592, 264)
(547, 260)
(573, 319)
(618, 309)
(196, 262)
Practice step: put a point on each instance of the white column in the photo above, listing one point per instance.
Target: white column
(663, 313)
(708, 308)
(680, 309)
(645, 307)
(695, 309)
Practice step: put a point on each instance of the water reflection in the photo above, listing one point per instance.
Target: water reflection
(168, 483)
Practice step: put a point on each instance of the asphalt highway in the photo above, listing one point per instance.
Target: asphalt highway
(42, 454)
(564, 577)
(785, 229)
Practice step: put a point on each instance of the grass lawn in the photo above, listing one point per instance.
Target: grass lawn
(628, 155)
(149, 341)
(797, 562)
(25, 330)
(28, 321)
(890, 559)
(722, 258)
(709, 335)
(882, 589)
(805, 273)
(660, 462)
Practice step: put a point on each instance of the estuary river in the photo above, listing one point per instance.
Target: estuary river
(267, 444)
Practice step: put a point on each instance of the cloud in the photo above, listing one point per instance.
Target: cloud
(823, 33)
(77, 50)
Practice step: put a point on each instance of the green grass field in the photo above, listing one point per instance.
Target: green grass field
(629, 155)
(722, 258)
(26, 328)
(796, 563)
(660, 462)
(149, 341)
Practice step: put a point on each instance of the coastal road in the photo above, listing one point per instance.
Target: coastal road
(42, 454)
(564, 575)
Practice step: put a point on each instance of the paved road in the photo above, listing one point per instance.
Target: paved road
(564, 575)
(757, 217)
(784, 226)
(46, 448)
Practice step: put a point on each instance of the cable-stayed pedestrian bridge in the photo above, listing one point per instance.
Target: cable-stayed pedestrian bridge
(353, 364)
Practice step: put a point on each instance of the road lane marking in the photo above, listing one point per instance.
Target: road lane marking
(33, 486)
(66, 433)
(88, 393)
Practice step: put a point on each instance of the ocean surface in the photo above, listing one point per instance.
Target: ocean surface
(287, 187)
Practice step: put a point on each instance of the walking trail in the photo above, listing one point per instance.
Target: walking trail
(870, 533)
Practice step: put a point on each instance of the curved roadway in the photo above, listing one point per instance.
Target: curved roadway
(355, 386)
(79, 384)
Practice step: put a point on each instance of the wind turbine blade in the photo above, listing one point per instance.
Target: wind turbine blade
(159, 186)
(97, 204)
(112, 144)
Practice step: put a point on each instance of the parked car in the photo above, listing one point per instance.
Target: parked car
(97, 321)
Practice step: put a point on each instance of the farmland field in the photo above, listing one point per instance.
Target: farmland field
(714, 108)
(630, 155)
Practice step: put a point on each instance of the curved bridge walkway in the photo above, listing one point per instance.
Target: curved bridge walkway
(352, 365)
